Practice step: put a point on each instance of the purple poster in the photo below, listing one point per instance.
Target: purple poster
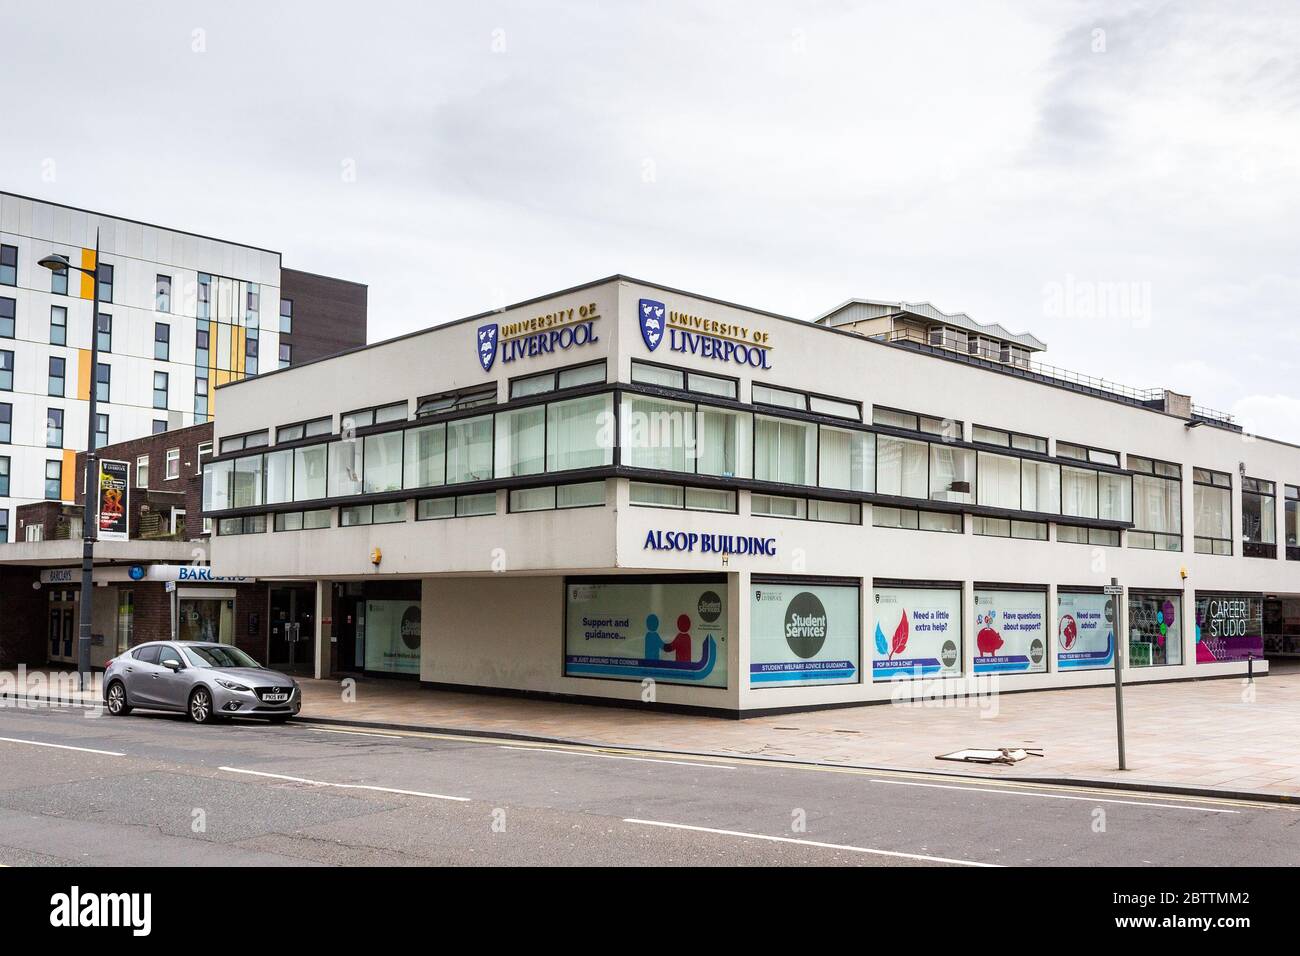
(1229, 627)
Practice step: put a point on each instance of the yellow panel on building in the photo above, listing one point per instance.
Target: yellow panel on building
(84, 374)
(68, 487)
(87, 283)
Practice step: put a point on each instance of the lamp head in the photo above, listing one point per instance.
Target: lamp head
(55, 262)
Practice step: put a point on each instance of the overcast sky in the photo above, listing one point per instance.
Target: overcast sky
(1120, 178)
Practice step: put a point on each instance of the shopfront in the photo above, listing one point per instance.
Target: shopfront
(1155, 628)
(378, 625)
(1229, 627)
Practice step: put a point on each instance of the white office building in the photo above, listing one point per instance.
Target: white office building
(628, 492)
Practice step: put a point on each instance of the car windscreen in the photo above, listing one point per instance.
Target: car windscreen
(208, 655)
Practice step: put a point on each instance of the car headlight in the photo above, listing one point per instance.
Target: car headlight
(231, 685)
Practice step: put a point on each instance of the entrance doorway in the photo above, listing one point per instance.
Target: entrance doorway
(293, 627)
(62, 626)
(205, 617)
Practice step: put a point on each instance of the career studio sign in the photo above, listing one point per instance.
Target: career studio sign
(114, 498)
(558, 331)
(1229, 627)
(705, 337)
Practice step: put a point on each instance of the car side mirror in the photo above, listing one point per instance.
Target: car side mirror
(172, 665)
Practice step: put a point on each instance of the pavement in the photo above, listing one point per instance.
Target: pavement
(1227, 736)
(154, 789)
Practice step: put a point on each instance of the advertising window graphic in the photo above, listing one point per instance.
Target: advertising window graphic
(917, 633)
(670, 632)
(392, 636)
(1085, 631)
(803, 634)
(114, 491)
(1010, 632)
(1229, 627)
(1154, 629)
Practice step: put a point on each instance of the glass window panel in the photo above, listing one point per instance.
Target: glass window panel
(831, 406)
(659, 496)
(279, 477)
(847, 459)
(471, 505)
(586, 495)
(901, 466)
(309, 468)
(533, 385)
(766, 395)
(710, 499)
(657, 375)
(839, 512)
(533, 499)
(778, 506)
(435, 508)
(724, 444)
(1078, 492)
(785, 451)
(216, 485)
(469, 449)
(426, 456)
(952, 473)
(390, 512)
(358, 515)
(711, 385)
(345, 468)
(383, 462)
(246, 482)
(939, 521)
(894, 518)
(582, 375)
(658, 434)
(999, 485)
(990, 436)
(1157, 505)
(579, 433)
(521, 442)
(1040, 487)
(1116, 496)
(893, 419)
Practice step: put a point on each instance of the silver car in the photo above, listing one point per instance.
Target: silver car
(205, 680)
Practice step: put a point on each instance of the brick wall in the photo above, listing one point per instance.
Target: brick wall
(329, 316)
(23, 623)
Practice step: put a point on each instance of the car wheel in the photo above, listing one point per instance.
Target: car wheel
(117, 705)
(201, 711)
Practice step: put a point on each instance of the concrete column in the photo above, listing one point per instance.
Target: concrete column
(738, 647)
(1050, 628)
(324, 629)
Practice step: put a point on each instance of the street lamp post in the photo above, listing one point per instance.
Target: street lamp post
(89, 531)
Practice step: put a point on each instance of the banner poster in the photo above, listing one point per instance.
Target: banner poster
(917, 633)
(1085, 631)
(672, 632)
(803, 634)
(1010, 631)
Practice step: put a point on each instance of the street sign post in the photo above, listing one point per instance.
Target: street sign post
(1115, 591)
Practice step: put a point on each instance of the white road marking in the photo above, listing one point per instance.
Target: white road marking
(584, 753)
(355, 733)
(41, 743)
(344, 786)
(813, 843)
(1054, 796)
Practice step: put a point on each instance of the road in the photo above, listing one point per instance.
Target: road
(156, 790)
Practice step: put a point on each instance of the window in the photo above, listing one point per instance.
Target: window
(6, 423)
(279, 476)
(54, 428)
(390, 513)
(1009, 528)
(7, 372)
(105, 272)
(453, 401)
(302, 520)
(946, 338)
(202, 339)
(252, 304)
(647, 374)
(252, 524)
(104, 331)
(162, 339)
(250, 353)
(312, 429)
(1155, 626)
(675, 496)
(203, 303)
(245, 480)
(204, 451)
(882, 517)
(125, 619)
(901, 467)
(8, 265)
(469, 449)
(1086, 493)
(174, 465)
(1077, 534)
(241, 442)
(160, 390)
(425, 460)
(952, 473)
(1097, 456)
(1157, 505)
(58, 368)
(286, 316)
(59, 281)
(344, 476)
(813, 509)
(1258, 518)
(286, 355)
(200, 400)
(142, 472)
(893, 418)
(589, 494)
(365, 417)
(7, 312)
(785, 450)
(4, 476)
(818, 404)
(1292, 505)
(521, 441)
(590, 374)
(383, 463)
(58, 325)
(103, 384)
(995, 436)
(4, 525)
(846, 459)
(310, 468)
(53, 480)
(101, 430)
(465, 506)
(579, 433)
(162, 295)
(159, 426)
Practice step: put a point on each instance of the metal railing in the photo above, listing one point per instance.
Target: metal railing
(1149, 397)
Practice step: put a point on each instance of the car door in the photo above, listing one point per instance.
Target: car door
(137, 674)
(171, 684)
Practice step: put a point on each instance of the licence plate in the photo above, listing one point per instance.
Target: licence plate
(275, 698)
